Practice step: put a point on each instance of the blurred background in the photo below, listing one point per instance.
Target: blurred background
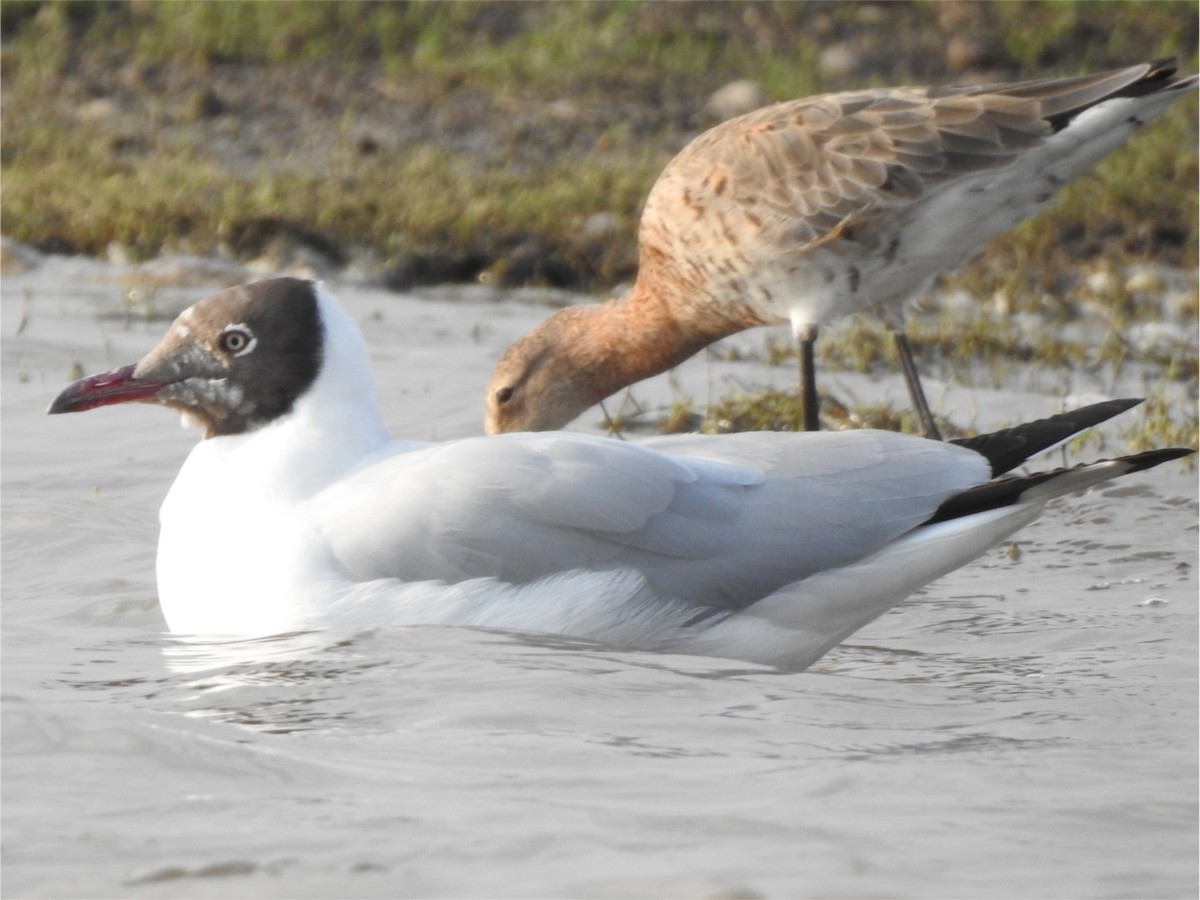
(422, 143)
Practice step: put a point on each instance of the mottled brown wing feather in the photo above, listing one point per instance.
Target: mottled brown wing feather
(813, 163)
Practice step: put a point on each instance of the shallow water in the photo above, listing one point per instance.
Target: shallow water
(1025, 726)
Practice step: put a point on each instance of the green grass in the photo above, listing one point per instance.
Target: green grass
(401, 128)
(1159, 423)
(542, 114)
(774, 410)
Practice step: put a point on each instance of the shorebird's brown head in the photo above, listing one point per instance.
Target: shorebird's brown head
(546, 378)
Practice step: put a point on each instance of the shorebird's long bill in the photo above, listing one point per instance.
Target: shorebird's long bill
(119, 386)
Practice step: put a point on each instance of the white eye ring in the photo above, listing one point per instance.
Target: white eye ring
(237, 340)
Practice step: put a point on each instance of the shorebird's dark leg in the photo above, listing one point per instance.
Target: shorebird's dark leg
(806, 336)
(915, 391)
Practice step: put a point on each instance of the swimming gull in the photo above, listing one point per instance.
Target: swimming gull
(296, 510)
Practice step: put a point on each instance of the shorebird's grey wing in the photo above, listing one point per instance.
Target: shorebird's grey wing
(719, 523)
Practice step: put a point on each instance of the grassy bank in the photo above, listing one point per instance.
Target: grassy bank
(481, 134)
(515, 142)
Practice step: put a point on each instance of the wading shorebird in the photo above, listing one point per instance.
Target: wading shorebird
(813, 209)
(297, 512)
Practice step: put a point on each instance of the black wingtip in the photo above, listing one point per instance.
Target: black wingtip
(1139, 462)
(1159, 70)
(1007, 449)
(1012, 489)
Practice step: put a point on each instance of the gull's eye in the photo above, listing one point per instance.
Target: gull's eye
(504, 394)
(236, 340)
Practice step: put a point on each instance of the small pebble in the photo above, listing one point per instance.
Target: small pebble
(1101, 281)
(600, 225)
(734, 99)
(840, 61)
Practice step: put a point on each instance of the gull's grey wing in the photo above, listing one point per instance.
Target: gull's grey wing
(717, 523)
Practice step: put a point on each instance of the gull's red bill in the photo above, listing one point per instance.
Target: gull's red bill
(118, 386)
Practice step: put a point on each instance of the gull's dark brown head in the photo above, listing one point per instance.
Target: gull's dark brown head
(231, 363)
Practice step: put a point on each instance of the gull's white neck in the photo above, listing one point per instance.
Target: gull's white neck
(230, 523)
(329, 430)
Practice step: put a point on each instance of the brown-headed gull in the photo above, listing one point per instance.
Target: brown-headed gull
(296, 511)
(813, 209)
